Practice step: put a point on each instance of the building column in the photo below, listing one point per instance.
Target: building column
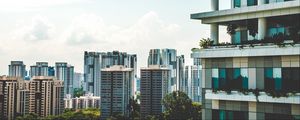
(214, 5)
(262, 28)
(214, 32)
(214, 28)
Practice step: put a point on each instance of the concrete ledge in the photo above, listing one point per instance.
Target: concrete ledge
(272, 50)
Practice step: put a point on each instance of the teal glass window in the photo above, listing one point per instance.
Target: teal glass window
(251, 2)
(244, 74)
(269, 81)
(222, 115)
(237, 4)
(236, 38)
(277, 77)
(276, 30)
(215, 78)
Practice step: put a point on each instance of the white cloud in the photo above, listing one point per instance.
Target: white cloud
(39, 29)
(89, 32)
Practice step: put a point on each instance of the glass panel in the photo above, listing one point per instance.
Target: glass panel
(222, 115)
(244, 74)
(277, 77)
(237, 4)
(251, 2)
(230, 115)
(215, 78)
(236, 38)
(222, 77)
(269, 81)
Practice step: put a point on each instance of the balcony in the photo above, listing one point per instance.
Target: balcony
(250, 12)
(250, 97)
(249, 50)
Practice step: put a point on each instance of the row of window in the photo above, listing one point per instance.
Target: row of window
(278, 79)
(237, 3)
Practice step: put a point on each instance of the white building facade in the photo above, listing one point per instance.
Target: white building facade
(256, 76)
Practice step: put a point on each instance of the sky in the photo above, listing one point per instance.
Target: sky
(61, 30)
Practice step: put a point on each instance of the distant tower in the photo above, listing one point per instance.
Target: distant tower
(116, 89)
(154, 85)
(40, 69)
(17, 69)
(65, 73)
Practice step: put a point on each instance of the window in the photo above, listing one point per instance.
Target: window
(229, 115)
(236, 38)
(276, 30)
(251, 2)
(237, 3)
(291, 78)
(230, 78)
(282, 79)
(215, 78)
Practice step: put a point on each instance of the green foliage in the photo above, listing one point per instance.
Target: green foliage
(30, 116)
(134, 109)
(231, 29)
(205, 43)
(78, 92)
(69, 114)
(180, 107)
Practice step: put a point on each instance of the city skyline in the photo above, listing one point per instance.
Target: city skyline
(30, 29)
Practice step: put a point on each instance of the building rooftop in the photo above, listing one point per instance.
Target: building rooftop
(117, 68)
(155, 67)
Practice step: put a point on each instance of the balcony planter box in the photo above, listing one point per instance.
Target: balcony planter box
(250, 97)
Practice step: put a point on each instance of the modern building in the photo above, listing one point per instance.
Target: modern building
(51, 71)
(154, 57)
(116, 91)
(193, 77)
(83, 102)
(41, 95)
(8, 97)
(257, 75)
(95, 61)
(168, 58)
(78, 80)
(40, 69)
(154, 86)
(17, 69)
(182, 83)
(65, 72)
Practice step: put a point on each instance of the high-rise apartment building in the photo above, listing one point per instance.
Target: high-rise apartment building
(8, 97)
(95, 61)
(168, 58)
(116, 91)
(17, 69)
(154, 86)
(182, 83)
(257, 75)
(82, 102)
(41, 95)
(154, 57)
(193, 77)
(78, 80)
(65, 73)
(40, 69)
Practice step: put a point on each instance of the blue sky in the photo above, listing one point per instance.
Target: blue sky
(61, 30)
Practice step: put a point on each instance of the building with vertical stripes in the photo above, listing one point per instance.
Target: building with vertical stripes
(256, 76)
